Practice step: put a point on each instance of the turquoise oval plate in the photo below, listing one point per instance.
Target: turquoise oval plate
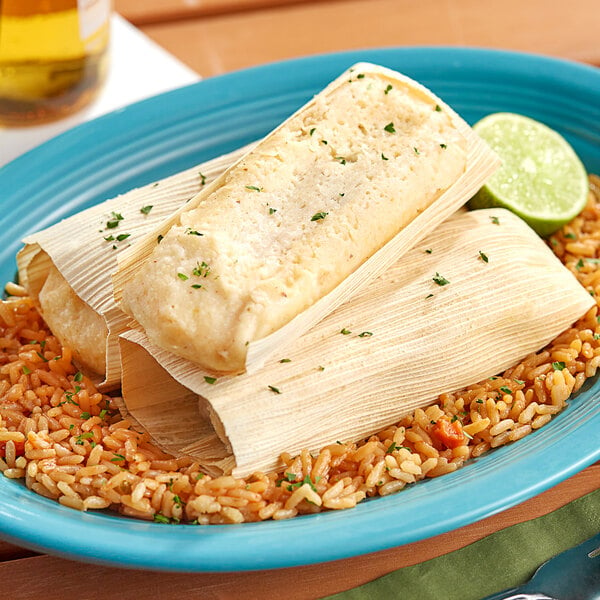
(174, 131)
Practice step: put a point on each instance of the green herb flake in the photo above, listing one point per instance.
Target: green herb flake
(365, 334)
(114, 220)
(158, 518)
(26, 371)
(479, 401)
(579, 264)
(274, 389)
(360, 76)
(428, 251)
(390, 128)
(122, 236)
(384, 157)
(319, 216)
(85, 416)
(341, 160)
(597, 336)
(324, 142)
(285, 360)
(78, 377)
(103, 413)
(110, 238)
(312, 131)
(443, 146)
(391, 448)
(506, 390)
(201, 269)
(416, 151)
(199, 476)
(145, 210)
(558, 365)
(182, 276)
(83, 436)
(272, 211)
(438, 108)
(483, 257)
(202, 178)
(254, 188)
(570, 236)
(42, 356)
(428, 296)
(495, 220)
(189, 231)
(196, 286)
(388, 89)
(440, 279)
(159, 238)
(210, 380)
(345, 331)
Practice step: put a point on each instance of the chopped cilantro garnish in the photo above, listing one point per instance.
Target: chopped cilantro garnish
(209, 379)
(365, 334)
(85, 415)
(182, 276)
(443, 146)
(26, 371)
(558, 365)
(78, 377)
(202, 178)
(145, 210)
(189, 231)
(319, 216)
(440, 279)
(122, 236)
(341, 160)
(345, 331)
(312, 131)
(388, 89)
(274, 389)
(83, 436)
(483, 257)
(158, 518)
(438, 108)
(384, 157)
(285, 360)
(390, 128)
(254, 188)
(495, 220)
(272, 211)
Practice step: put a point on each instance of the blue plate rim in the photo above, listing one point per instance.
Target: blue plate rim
(254, 546)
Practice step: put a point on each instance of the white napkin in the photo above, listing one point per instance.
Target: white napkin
(138, 68)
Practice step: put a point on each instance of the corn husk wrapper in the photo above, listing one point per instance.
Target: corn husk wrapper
(481, 162)
(427, 338)
(85, 260)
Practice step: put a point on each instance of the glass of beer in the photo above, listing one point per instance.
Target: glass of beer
(53, 57)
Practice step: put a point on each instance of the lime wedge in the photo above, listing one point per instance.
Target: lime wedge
(541, 178)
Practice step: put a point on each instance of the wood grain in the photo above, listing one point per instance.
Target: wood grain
(237, 40)
(56, 579)
(155, 11)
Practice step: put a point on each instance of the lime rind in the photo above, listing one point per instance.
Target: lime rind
(541, 179)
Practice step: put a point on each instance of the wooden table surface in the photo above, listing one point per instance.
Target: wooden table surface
(217, 36)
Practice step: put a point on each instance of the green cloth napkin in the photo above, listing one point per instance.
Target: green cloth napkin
(502, 560)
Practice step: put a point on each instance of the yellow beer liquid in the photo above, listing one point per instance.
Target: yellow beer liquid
(51, 62)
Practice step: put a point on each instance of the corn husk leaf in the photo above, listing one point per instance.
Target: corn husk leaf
(81, 249)
(439, 321)
(481, 162)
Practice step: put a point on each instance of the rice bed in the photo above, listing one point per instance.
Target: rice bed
(69, 443)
